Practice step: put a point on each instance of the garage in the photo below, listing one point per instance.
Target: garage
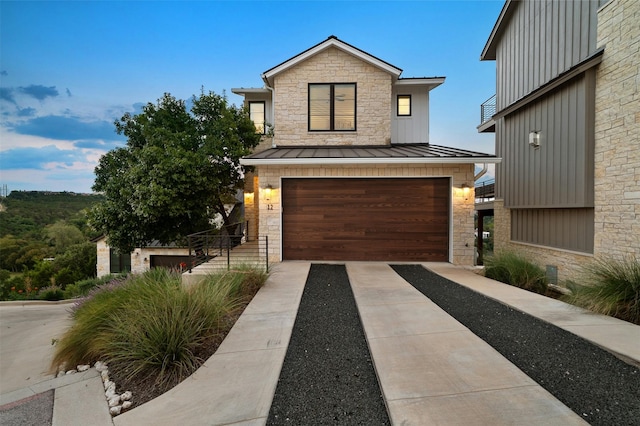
(366, 219)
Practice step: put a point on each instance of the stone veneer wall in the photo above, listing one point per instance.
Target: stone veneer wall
(373, 101)
(103, 259)
(140, 258)
(463, 210)
(569, 263)
(617, 136)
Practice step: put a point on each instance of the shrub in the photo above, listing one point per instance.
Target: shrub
(51, 293)
(513, 268)
(150, 325)
(610, 287)
(83, 287)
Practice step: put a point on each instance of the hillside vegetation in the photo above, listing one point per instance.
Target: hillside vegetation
(44, 241)
(26, 213)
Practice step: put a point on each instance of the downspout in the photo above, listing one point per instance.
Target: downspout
(273, 109)
(485, 167)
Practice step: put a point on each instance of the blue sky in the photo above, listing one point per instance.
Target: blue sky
(69, 69)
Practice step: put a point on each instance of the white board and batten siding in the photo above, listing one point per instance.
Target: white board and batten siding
(414, 128)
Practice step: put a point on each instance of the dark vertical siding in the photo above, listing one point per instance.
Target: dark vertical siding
(569, 229)
(559, 174)
(542, 40)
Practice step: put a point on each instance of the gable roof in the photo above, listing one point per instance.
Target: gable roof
(354, 154)
(332, 41)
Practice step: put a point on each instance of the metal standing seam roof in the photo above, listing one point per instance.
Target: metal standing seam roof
(353, 154)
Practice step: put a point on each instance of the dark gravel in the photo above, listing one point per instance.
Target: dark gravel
(35, 410)
(328, 376)
(599, 387)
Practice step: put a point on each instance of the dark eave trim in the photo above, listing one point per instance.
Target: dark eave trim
(489, 51)
(583, 66)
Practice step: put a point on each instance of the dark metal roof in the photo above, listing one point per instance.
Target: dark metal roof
(398, 153)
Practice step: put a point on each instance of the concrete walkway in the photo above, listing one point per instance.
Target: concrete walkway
(27, 332)
(236, 385)
(616, 336)
(431, 368)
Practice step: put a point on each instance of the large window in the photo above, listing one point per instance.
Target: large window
(404, 105)
(257, 115)
(332, 107)
(119, 263)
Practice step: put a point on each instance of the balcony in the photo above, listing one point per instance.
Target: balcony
(487, 110)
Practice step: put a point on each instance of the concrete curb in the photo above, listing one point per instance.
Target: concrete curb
(36, 302)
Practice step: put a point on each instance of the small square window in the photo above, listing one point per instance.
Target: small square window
(257, 115)
(404, 105)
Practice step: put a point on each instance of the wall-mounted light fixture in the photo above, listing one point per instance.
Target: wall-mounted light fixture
(267, 191)
(465, 191)
(534, 138)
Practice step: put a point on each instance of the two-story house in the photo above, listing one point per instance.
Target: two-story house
(349, 172)
(567, 126)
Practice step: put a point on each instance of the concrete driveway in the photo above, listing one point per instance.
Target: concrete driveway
(26, 333)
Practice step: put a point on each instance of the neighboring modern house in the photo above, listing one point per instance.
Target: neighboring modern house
(567, 126)
(154, 254)
(349, 172)
(141, 260)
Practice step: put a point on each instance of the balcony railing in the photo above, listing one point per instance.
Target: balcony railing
(229, 246)
(485, 191)
(488, 109)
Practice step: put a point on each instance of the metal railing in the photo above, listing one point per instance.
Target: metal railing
(487, 109)
(485, 190)
(226, 246)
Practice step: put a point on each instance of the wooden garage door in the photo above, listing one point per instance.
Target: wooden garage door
(378, 219)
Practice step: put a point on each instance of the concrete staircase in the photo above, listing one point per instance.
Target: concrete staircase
(247, 254)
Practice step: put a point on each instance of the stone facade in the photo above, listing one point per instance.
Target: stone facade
(462, 244)
(103, 257)
(140, 258)
(617, 131)
(373, 101)
(568, 262)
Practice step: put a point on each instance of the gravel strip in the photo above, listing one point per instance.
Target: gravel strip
(36, 410)
(328, 376)
(595, 384)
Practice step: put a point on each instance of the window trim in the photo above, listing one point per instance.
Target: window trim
(331, 108)
(398, 105)
(264, 116)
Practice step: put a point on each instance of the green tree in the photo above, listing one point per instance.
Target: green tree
(78, 262)
(62, 235)
(177, 168)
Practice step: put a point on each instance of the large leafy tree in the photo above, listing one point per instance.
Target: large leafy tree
(176, 170)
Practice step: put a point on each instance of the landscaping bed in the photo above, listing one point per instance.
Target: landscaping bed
(151, 331)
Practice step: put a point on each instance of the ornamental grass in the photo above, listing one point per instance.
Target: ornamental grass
(150, 325)
(610, 287)
(513, 268)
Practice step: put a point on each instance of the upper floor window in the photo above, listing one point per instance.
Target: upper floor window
(257, 115)
(404, 105)
(332, 106)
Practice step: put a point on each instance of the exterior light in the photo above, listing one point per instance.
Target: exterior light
(534, 138)
(465, 191)
(267, 191)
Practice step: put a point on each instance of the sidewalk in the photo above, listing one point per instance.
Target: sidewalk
(27, 333)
